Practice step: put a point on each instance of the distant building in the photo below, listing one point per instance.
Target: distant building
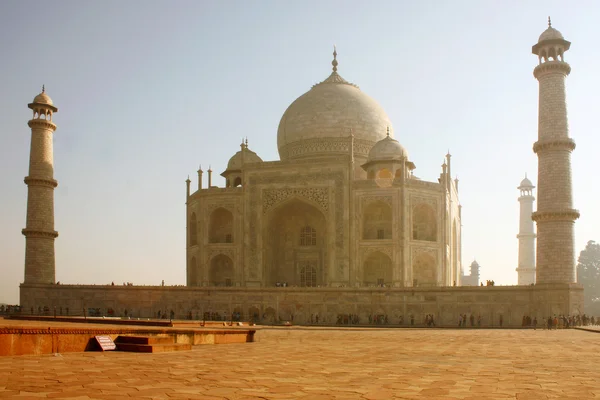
(473, 278)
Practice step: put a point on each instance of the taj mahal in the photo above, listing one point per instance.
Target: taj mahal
(341, 208)
(340, 225)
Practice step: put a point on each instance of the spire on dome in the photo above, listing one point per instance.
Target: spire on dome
(388, 131)
(334, 62)
(43, 88)
(549, 22)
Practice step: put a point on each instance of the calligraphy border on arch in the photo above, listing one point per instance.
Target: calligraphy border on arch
(318, 195)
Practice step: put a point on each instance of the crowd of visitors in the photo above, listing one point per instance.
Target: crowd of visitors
(561, 321)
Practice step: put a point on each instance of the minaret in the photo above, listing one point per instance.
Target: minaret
(555, 216)
(39, 229)
(526, 236)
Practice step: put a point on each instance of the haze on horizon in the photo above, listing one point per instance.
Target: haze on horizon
(149, 90)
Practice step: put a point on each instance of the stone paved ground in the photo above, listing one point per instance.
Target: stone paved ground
(305, 363)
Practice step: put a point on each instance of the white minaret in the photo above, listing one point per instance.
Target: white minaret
(526, 236)
(555, 215)
(39, 228)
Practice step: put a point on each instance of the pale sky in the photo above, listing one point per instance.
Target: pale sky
(148, 90)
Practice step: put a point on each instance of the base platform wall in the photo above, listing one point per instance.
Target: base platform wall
(273, 305)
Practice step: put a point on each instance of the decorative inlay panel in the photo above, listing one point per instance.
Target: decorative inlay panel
(416, 250)
(272, 197)
(387, 250)
(416, 200)
(367, 200)
(215, 252)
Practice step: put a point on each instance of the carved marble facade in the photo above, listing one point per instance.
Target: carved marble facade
(317, 225)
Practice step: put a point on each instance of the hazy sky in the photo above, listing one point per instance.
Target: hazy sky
(148, 90)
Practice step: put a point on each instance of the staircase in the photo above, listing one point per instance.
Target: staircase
(149, 344)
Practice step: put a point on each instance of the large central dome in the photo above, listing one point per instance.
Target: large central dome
(321, 121)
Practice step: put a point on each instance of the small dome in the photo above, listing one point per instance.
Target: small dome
(526, 183)
(244, 156)
(387, 149)
(43, 98)
(550, 34)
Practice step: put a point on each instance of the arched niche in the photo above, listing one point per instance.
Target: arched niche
(377, 221)
(424, 223)
(193, 227)
(221, 271)
(377, 269)
(454, 253)
(296, 231)
(220, 228)
(193, 272)
(237, 182)
(424, 270)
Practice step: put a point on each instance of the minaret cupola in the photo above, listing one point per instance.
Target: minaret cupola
(235, 166)
(388, 159)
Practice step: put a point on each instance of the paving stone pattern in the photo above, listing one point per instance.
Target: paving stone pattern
(307, 363)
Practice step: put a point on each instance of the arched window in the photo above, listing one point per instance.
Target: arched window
(237, 182)
(308, 275)
(193, 230)
(424, 223)
(308, 236)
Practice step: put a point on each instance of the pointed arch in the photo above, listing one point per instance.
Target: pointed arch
(221, 271)
(454, 268)
(377, 221)
(424, 223)
(193, 272)
(424, 270)
(220, 228)
(193, 228)
(297, 232)
(377, 269)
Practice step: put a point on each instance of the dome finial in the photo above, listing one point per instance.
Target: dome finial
(334, 62)
(388, 131)
(549, 22)
(43, 88)
(246, 141)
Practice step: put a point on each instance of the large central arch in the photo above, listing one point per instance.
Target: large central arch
(295, 243)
